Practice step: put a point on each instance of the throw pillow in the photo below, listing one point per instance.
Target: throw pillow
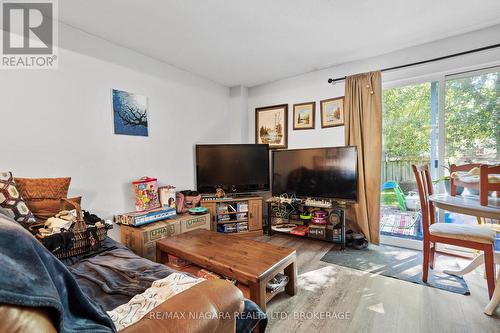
(12, 202)
(43, 188)
(43, 209)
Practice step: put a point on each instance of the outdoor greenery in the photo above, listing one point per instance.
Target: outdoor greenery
(472, 112)
(472, 120)
(407, 122)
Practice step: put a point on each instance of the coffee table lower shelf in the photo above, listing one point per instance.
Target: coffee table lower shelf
(193, 269)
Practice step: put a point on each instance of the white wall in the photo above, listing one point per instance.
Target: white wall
(60, 122)
(238, 104)
(314, 87)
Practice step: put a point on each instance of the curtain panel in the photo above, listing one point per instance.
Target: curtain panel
(363, 129)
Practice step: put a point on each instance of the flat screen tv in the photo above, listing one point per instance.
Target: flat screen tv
(238, 168)
(317, 173)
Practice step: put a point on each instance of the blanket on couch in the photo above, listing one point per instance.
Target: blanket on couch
(31, 276)
(113, 277)
(79, 290)
(160, 291)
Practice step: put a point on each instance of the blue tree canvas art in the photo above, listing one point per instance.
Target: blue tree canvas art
(130, 113)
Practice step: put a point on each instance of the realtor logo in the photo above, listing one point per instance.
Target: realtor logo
(29, 34)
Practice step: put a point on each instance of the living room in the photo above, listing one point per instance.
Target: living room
(250, 166)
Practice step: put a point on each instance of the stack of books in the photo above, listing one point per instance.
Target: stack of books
(141, 218)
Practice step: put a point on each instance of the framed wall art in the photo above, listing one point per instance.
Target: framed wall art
(332, 112)
(271, 126)
(303, 115)
(130, 113)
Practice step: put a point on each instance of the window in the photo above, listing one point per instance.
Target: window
(472, 119)
(409, 137)
(413, 134)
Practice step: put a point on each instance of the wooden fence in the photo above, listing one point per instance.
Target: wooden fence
(400, 170)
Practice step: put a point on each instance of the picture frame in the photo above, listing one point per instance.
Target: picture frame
(271, 126)
(130, 113)
(332, 112)
(304, 116)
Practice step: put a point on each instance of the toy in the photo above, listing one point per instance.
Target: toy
(412, 201)
(305, 216)
(219, 193)
(393, 195)
(167, 196)
(146, 194)
(300, 230)
(184, 200)
(198, 211)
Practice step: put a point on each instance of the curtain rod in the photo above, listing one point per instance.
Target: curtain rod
(332, 81)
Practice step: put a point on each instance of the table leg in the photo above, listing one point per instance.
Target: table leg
(161, 257)
(291, 272)
(478, 261)
(495, 299)
(258, 294)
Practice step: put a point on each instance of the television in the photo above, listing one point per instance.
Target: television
(316, 173)
(236, 168)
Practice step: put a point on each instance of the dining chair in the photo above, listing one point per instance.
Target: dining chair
(485, 184)
(469, 236)
(464, 168)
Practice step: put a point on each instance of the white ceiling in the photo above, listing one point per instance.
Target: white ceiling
(250, 42)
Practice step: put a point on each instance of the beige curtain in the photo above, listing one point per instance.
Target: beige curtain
(363, 129)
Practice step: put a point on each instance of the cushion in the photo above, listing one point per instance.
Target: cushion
(43, 209)
(43, 188)
(12, 202)
(472, 233)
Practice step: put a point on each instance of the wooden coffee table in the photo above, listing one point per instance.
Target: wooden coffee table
(250, 262)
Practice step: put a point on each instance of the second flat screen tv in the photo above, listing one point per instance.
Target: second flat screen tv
(317, 173)
(236, 168)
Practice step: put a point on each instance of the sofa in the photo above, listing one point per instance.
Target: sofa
(41, 293)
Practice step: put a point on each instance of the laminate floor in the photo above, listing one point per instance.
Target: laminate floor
(333, 298)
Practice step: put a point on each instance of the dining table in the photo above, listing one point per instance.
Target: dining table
(470, 205)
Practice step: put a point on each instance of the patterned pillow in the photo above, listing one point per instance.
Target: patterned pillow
(43, 188)
(12, 202)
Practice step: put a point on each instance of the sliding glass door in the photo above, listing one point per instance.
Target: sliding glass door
(471, 128)
(472, 118)
(409, 137)
(451, 119)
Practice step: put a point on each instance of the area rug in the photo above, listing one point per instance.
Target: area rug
(400, 225)
(399, 263)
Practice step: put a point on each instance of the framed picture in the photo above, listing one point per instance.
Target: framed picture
(271, 126)
(303, 115)
(332, 112)
(130, 113)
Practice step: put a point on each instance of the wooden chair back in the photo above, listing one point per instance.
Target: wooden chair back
(424, 184)
(455, 168)
(485, 187)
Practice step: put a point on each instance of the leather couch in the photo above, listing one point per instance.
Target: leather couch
(174, 315)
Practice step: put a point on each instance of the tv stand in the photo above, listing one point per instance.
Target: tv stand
(212, 197)
(241, 195)
(240, 216)
(283, 213)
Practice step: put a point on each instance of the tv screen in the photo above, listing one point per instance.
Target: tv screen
(318, 173)
(235, 168)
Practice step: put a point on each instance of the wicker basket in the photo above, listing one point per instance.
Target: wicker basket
(85, 239)
(83, 242)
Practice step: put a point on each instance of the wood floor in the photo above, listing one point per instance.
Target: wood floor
(371, 303)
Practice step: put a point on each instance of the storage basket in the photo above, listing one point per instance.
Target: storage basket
(84, 242)
(85, 238)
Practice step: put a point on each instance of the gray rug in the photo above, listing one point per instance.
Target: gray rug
(400, 263)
